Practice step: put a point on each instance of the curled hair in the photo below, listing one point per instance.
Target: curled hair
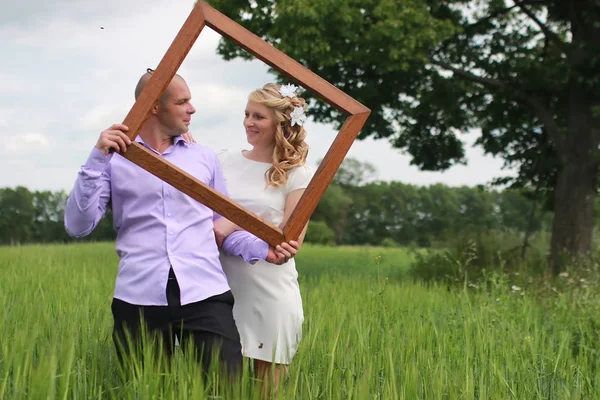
(290, 148)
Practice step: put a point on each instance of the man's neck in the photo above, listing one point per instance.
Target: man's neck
(155, 138)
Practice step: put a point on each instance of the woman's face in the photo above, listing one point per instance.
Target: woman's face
(260, 125)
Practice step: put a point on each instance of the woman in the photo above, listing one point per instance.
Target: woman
(269, 180)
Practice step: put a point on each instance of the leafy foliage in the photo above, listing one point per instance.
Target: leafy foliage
(524, 73)
(37, 217)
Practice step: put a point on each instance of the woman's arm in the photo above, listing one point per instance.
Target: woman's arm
(290, 204)
(223, 228)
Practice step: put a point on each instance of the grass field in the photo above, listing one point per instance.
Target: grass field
(369, 333)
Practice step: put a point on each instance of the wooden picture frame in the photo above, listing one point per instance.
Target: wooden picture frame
(204, 15)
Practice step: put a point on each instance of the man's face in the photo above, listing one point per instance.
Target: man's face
(175, 108)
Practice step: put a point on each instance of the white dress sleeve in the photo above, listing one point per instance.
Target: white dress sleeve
(222, 154)
(299, 178)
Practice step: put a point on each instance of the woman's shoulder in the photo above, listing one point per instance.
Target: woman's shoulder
(299, 177)
(228, 155)
(302, 170)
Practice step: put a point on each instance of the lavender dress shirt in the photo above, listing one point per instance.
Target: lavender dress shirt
(158, 226)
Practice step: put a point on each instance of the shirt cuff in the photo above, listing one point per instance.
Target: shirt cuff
(261, 251)
(247, 246)
(97, 160)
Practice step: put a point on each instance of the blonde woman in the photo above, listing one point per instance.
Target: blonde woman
(268, 179)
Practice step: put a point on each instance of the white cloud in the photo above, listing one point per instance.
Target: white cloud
(84, 79)
(5, 113)
(218, 100)
(96, 118)
(11, 84)
(25, 142)
(126, 36)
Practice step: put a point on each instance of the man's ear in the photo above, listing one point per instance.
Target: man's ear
(154, 109)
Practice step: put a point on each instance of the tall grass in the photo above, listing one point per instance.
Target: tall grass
(367, 335)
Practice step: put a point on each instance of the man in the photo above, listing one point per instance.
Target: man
(169, 270)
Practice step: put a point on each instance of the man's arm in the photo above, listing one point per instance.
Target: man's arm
(247, 246)
(87, 203)
(239, 243)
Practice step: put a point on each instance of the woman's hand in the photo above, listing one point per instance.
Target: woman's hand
(188, 137)
(223, 228)
(283, 252)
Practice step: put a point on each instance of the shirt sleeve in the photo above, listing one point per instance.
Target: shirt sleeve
(218, 183)
(247, 246)
(239, 243)
(299, 178)
(87, 202)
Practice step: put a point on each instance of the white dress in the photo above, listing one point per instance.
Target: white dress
(268, 307)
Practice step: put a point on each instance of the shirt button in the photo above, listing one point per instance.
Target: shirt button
(168, 214)
(170, 233)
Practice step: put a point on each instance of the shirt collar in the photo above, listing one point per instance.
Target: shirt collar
(179, 140)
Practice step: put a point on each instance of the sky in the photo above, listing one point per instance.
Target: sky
(69, 69)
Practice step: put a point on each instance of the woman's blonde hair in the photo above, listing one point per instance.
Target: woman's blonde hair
(290, 149)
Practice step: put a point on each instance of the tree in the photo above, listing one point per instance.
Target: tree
(319, 233)
(384, 210)
(334, 207)
(48, 225)
(440, 208)
(476, 212)
(333, 210)
(354, 173)
(16, 215)
(525, 72)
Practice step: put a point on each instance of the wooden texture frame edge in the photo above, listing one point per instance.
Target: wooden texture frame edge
(204, 15)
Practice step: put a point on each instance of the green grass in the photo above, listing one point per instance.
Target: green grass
(368, 334)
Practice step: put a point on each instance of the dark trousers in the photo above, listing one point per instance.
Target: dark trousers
(209, 324)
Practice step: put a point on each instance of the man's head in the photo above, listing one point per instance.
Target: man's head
(173, 112)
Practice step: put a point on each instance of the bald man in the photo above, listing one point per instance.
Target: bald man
(169, 270)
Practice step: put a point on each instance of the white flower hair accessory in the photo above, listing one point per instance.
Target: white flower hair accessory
(298, 116)
(288, 90)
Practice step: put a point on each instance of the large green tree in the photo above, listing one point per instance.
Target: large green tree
(524, 72)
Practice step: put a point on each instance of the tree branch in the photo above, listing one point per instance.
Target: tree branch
(492, 15)
(542, 112)
(501, 11)
(553, 37)
(490, 83)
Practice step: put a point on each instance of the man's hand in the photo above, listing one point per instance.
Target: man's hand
(188, 137)
(283, 253)
(223, 228)
(114, 138)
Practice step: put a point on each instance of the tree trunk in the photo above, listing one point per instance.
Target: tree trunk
(576, 184)
(573, 221)
(530, 223)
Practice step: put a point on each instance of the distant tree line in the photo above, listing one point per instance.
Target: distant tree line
(355, 210)
(37, 217)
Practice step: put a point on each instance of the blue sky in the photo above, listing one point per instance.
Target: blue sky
(63, 80)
